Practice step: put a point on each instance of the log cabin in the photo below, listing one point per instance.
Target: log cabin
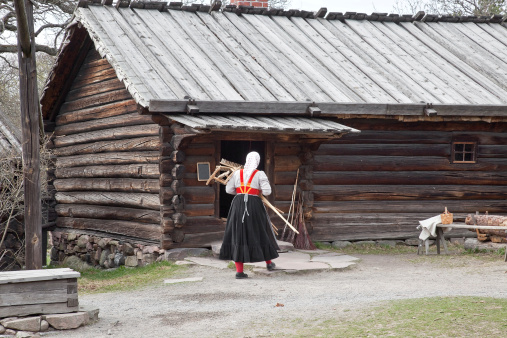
(387, 119)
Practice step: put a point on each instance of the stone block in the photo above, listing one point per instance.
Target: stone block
(148, 258)
(82, 241)
(71, 237)
(460, 241)
(128, 250)
(364, 243)
(44, 325)
(131, 261)
(103, 242)
(10, 332)
(24, 324)
(119, 259)
(340, 244)
(412, 241)
(103, 256)
(68, 321)
(215, 248)
(24, 334)
(2, 329)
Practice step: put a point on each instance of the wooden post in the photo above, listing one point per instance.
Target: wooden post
(29, 100)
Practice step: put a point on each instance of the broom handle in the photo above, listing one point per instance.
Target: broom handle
(265, 200)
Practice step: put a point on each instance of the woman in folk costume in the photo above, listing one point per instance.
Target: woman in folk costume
(249, 236)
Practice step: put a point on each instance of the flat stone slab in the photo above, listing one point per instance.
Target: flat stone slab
(293, 261)
(336, 261)
(68, 320)
(24, 324)
(209, 261)
(183, 280)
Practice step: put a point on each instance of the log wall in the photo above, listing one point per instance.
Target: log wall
(107, 158)
(378, 184)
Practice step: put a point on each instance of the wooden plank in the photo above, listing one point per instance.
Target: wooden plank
(100, 112)
(199, 195)
(405, 192)
(22, 297)
(385, 149)
(136, 63)
(471, 57)
(108, 184)
(125, 228)
(26, 310)
(118, 171)
(107, 134)
(319, 88)
(286, 163)
(334, 48)
(329, 62)
(205, 67)
(105, 212)
(192, 210)
(95, 100)
(22, 276)
(136, 144)
(107, 159)
(461, 81)
(401, 60)
(242, 53)
(405, 177)
(428, 66)
(471, 227)
(414, 206)
(355, 41)
(96, 75)
(200, 225)
(124, 120)
(135, 200)
(428, 38)
(248, 85)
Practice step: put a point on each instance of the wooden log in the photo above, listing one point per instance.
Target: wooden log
(108, 184)
(98, 75)
(118, 171)
(100, 112)
(200, 149)
(193, 210)
(107, 134)
(405, 178)
(166, 134)
(135, 144)
(166, 165)
(107, 159)
(306, 185)
(103, 212)
(166, 195)
(117, 227)
(167, 225)
(399, 163)
(197, 225)
(181, 141)
(132, 119)
(166, 211)
(434, 207)
(178, 171)
(95, 89)
(166, 149)
(178, 156)
(442, 150)
(179, 219)
(287, 163)
(199, 195)
(178, 235)
(408, 192)
(135, 200)
(178, 203)
(96, 100)
(287, 149)
(177, 186)
(166, 180)
(191, 162)
(494, 220)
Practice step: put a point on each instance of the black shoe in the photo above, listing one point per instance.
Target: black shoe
(270, 266)
(241, 275)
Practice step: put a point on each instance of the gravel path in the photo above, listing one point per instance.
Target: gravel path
(221, 306)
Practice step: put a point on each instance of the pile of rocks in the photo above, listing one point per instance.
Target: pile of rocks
(104, 252)
(29, 326)
(81, 251)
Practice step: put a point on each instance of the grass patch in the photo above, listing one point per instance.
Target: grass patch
(370, 249)
(427, 317)
(123, 278)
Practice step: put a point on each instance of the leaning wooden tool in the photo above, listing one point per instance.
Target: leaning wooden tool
(223, 173)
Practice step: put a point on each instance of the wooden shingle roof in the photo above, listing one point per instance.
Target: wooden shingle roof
(169, 55)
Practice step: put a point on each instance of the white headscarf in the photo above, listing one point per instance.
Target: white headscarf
(252, 162)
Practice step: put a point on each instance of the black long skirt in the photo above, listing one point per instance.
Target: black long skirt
(248, 237)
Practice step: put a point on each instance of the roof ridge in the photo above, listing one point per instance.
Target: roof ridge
(321, 13)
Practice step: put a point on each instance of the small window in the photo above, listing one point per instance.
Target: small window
(464, 152)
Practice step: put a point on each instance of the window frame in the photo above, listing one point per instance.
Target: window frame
(473, 152)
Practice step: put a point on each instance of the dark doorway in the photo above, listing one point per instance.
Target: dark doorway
(236, 151)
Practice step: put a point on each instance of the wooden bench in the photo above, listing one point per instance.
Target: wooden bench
(29, 292)
(440, 235)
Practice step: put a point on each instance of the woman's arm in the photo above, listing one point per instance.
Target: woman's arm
(265, 187)
(230, 188)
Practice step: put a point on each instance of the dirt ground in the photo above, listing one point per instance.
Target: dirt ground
(221, 306)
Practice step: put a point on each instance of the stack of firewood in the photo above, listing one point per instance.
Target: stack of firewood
(496, 236)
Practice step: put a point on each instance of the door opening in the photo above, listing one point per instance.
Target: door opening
(236, 151)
